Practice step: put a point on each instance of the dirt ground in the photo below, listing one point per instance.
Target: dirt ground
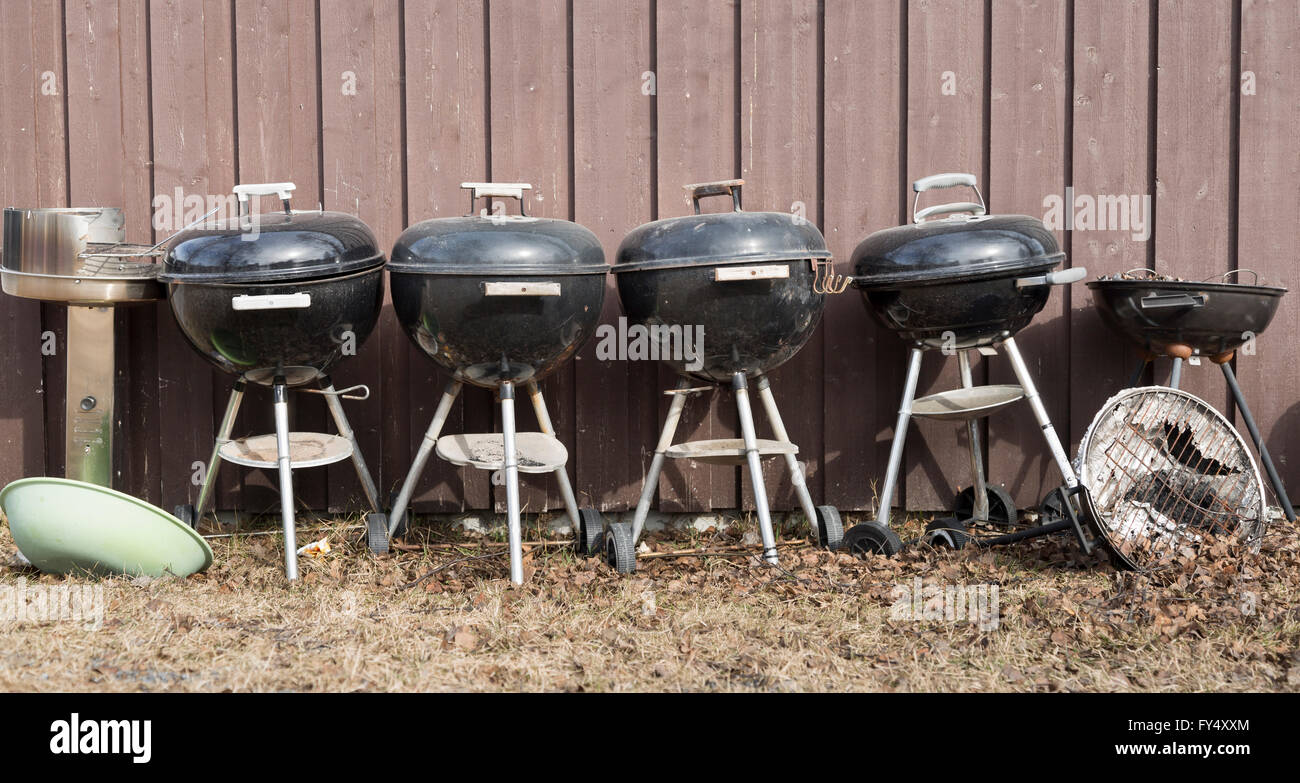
(440, 615)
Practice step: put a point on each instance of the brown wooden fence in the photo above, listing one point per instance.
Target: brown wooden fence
(381, 109)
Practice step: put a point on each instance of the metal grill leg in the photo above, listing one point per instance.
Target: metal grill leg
(797, 476)
(1176, 373)
(651, 483)
(449, 395)
(562, 472)
(1264, 457)
(755, 467)
(900, 436)
(223, 437)
(286, 478)
(1040, 413)
(345, 430)
(510, 463)
(980, 489)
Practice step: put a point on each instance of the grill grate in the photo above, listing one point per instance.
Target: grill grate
(1165, 473)
(119, 261)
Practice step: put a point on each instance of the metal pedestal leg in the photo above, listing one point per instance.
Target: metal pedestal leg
(755, 467)
(1264, 457)
(657, 462)
(900, 436)
(345, 431)
(510, 463)
(286, 478)
(797, 476)
(449, 395)
(1040, 413)
(223, 437)
(562, 472)
(1176, 373)
(981, 509)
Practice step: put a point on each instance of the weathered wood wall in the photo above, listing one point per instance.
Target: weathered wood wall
(607, 108)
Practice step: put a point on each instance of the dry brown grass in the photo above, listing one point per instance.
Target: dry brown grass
(821, 623)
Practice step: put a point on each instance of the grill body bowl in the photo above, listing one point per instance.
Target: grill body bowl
(749, 326)
(298, 343)
(1231, 314)
(446, 278)
(487, 340)
(952, 282)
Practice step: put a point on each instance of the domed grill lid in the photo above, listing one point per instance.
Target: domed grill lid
(498, 244)
(734, 237)
(966, 243)
(286, 245)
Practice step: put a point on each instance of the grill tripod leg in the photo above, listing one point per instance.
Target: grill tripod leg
(797, 476)
(345, 430)
(510, 464)
(651, 483)
(562, 472)
(281, 393)
(223, 437)
(980, 490)
(422, 455)
(1040, 413)
(755, 467)
(1264, 457)
(900, 437)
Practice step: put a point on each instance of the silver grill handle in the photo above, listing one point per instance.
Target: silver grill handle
(282, 189)
(1063, 277)
(939, 181)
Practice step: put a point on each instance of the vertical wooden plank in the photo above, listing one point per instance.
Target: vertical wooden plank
(1270, 169)
(863, 186)
(531, 138)
(446, 144)
(1113, 76)
(193, 142)
(780, 137)
(1027, 151)
(108, 115)
(278, 138)
(946, 85)
(361, 109)
(1195, 84)
(697, 132)
(33, 173)
(617, 402)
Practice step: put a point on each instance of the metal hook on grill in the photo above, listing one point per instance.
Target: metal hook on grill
(344, 393)
(825, 281)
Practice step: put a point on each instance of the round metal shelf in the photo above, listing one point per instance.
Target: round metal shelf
(536, 452)
(964, 404)
(727, 451)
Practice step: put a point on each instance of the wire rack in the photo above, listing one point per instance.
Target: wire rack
(1167, 474)
(119, 261)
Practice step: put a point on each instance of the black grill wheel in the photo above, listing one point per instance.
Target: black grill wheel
(871, 538)
(947, 532)
(1002, 509)
(620, 552)
(591, 532)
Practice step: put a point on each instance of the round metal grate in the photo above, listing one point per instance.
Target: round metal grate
(1166, 473)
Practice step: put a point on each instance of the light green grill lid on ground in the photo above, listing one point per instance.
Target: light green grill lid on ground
(62, 526)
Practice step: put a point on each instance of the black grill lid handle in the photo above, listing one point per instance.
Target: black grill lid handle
(950, 180)
(724, 187)
(515, 190)
(282, 189)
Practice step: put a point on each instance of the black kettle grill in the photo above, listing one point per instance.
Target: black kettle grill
(277, 299)
(1188, 320)
(496, 300)
(752, 286)
(959, 280)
